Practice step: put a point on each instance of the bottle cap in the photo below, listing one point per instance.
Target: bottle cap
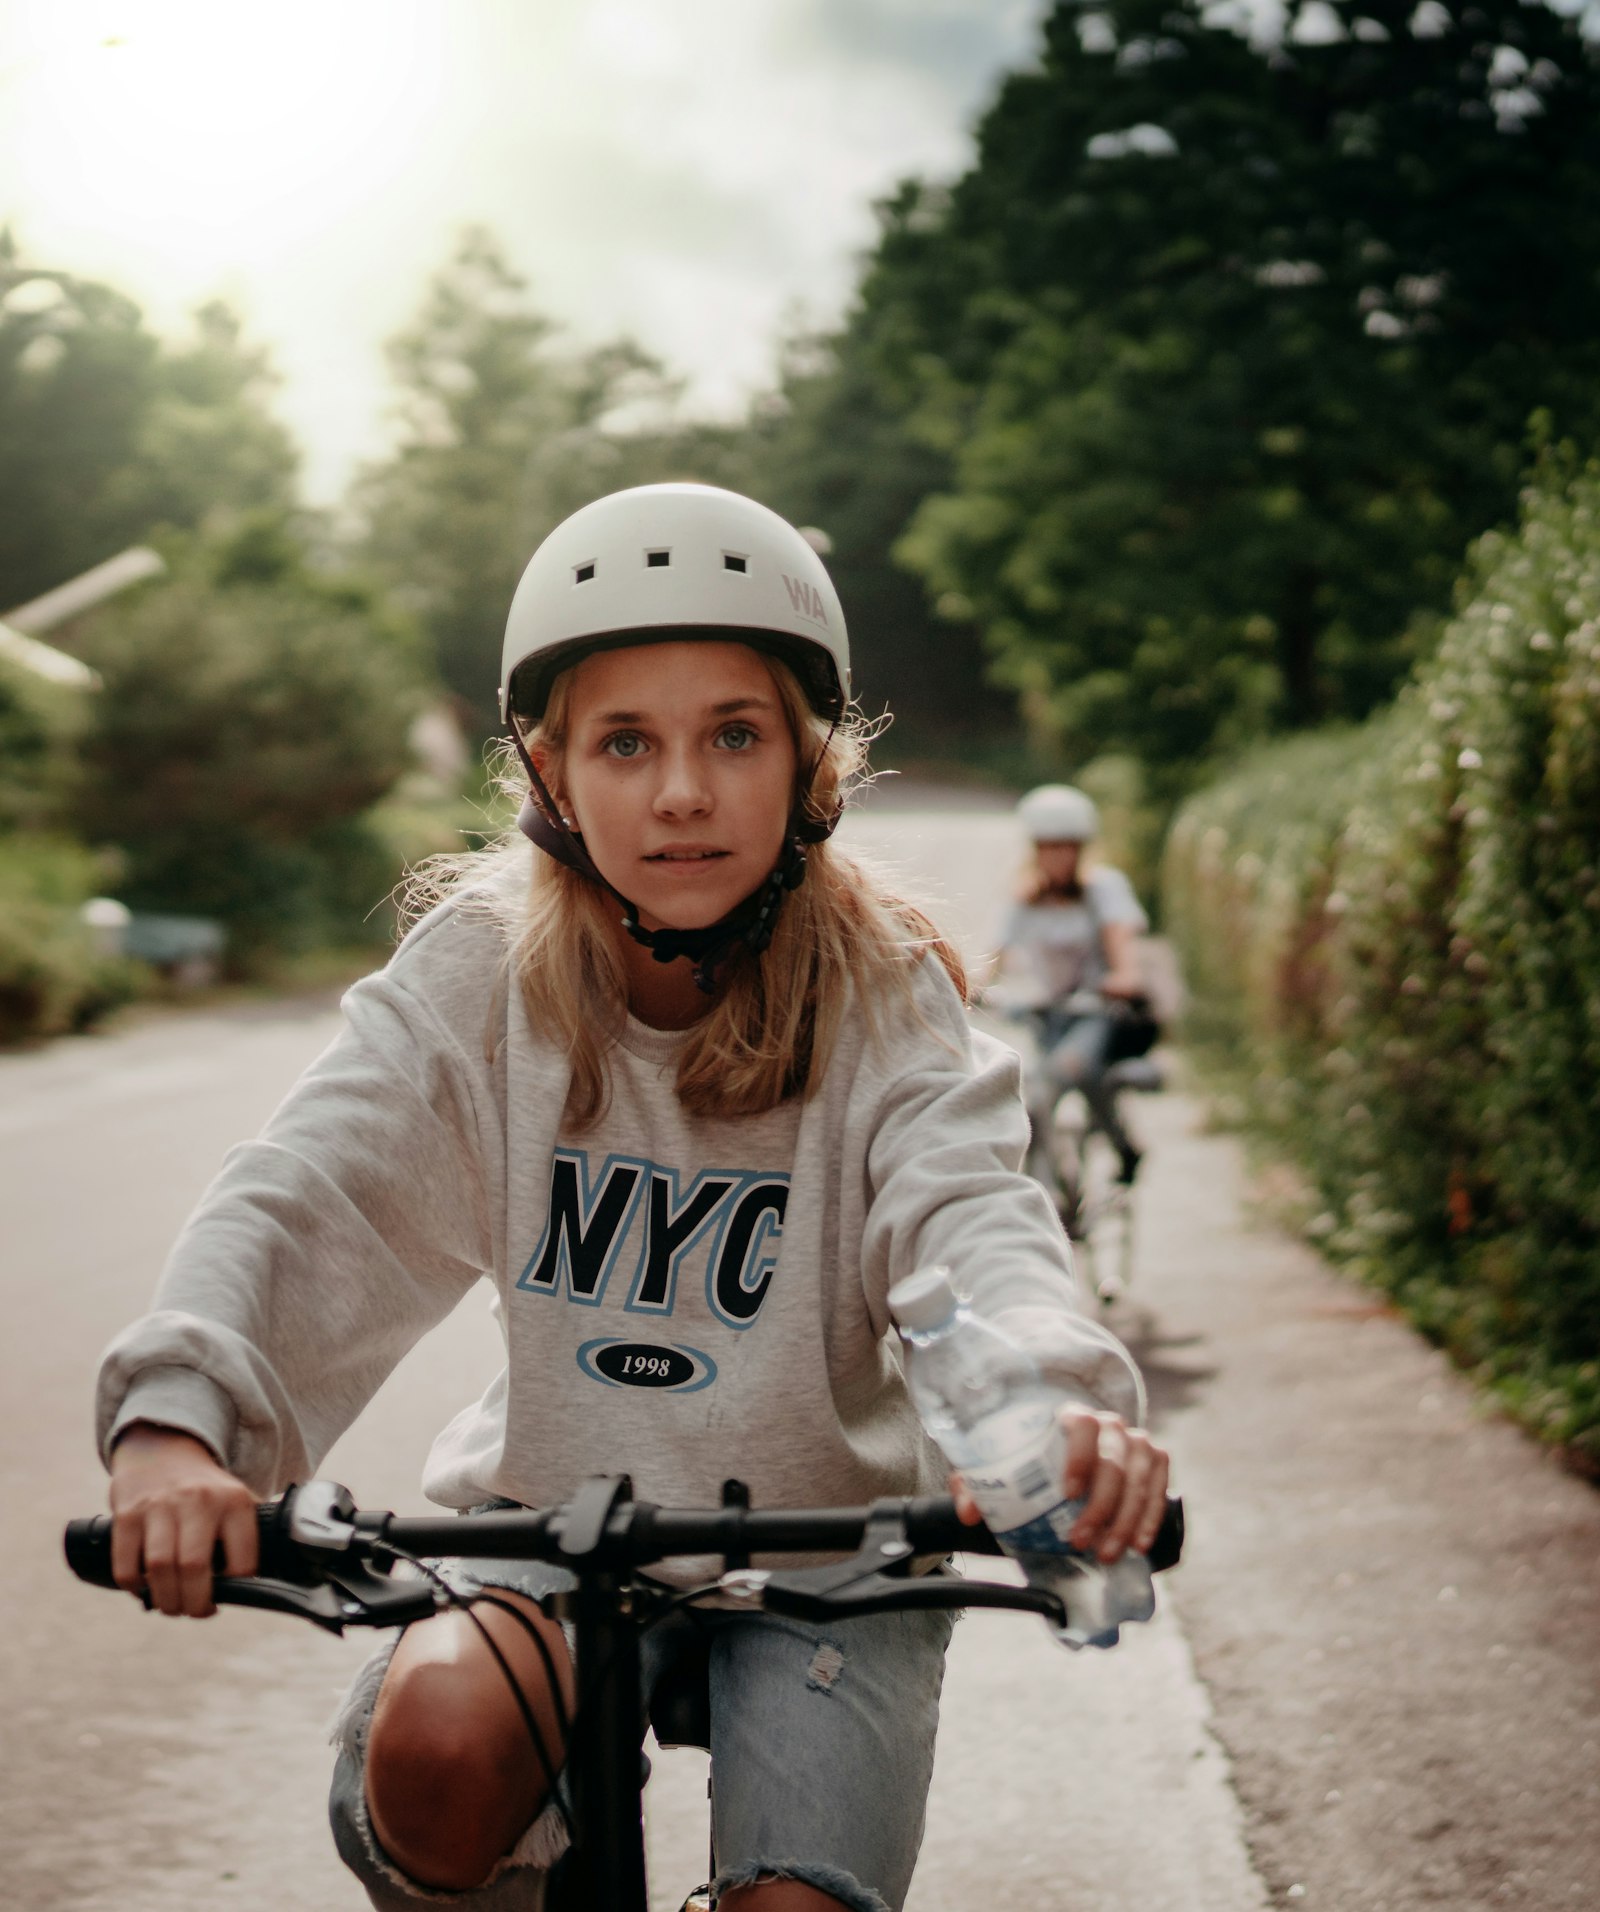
(924, 1300)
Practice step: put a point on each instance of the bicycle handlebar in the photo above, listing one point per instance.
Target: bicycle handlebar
(327, 1561)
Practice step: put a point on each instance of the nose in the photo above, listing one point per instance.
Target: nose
(683, 789)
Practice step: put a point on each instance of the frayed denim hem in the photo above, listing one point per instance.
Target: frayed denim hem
(843, 1886)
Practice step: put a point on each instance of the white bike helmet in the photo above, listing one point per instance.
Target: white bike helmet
(681, 561)
(1059, 813)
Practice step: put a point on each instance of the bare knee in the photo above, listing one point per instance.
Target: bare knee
(452, 1775)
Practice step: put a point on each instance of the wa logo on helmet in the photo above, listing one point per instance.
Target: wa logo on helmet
(806, 599)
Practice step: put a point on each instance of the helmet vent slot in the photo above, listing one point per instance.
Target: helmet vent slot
(733, 561)
(657, 559)
(582, 573)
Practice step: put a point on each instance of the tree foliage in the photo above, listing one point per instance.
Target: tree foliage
(833, 449)
(502, 436)
(1230, 350)
(39, 726)
(107, 435)
(252, 711)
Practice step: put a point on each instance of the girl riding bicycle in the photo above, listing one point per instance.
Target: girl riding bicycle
(1074, 931)
(692, 1089)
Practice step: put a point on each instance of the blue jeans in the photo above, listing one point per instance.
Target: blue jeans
(821, 1752)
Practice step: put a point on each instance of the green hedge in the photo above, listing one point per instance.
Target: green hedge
(1392, 936)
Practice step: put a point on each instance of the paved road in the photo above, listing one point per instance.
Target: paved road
(1376, 1683)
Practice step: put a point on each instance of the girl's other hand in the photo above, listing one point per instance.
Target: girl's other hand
(171, 1503)
(1120, 1475)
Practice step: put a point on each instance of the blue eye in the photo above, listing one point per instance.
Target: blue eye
(624, 744)
(737, 737)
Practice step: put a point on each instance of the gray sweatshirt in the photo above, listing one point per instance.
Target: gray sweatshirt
(681, 1299)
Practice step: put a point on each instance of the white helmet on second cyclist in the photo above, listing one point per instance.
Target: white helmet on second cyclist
(677, 561)
(1059, 813)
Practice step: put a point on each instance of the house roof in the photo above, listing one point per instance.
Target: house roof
(45, 661)
(85, 591)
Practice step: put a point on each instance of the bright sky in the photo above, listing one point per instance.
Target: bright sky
(695, 172)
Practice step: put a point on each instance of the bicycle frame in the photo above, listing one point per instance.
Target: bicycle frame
(326, 1561)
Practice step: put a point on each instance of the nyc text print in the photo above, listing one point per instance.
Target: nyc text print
(627, 1239)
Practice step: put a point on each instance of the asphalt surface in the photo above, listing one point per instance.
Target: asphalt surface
(1374, 1683)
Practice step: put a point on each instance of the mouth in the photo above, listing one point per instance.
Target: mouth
(685, 856)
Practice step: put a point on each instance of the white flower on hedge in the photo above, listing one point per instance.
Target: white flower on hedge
(1469, 759)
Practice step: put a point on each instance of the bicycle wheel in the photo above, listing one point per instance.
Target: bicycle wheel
(1097, 1208)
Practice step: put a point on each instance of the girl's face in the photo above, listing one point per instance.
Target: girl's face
(679, 770)
(1058, 862)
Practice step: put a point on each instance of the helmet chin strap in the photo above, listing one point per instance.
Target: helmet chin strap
(749, 924)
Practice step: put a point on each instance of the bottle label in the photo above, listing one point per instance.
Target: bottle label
(1047, 1534)
(1020, 1497)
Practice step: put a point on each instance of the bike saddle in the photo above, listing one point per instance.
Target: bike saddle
(1137, 1073)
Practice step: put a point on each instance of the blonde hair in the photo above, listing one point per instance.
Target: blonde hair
(775, 1017)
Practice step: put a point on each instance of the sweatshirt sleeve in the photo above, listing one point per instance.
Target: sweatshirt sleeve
(948, 1135)
(327, 1247)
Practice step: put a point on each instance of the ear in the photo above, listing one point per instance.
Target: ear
(545, 762)
(549, 775)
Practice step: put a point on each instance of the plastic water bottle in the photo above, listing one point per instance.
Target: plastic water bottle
(997, 1420)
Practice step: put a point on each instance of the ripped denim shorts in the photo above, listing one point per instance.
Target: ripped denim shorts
(822, 1743)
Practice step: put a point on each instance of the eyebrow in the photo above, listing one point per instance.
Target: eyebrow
(728, 709)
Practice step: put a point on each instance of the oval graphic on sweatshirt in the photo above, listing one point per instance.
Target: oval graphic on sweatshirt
(646, 1364)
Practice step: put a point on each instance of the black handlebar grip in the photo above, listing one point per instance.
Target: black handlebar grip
(1167, 1547)
(87, 1544)
(88, 1549)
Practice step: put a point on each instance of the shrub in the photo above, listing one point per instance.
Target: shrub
(1394, 935)
(39, 724)
(52, 977)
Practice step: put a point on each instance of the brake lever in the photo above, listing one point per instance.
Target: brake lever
(312, 1573)
(875, 1592)
(874, 1580)
(347, 1596)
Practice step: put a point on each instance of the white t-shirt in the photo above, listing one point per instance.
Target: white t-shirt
(1059, 945)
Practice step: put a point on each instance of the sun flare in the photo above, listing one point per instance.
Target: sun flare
(214, 133)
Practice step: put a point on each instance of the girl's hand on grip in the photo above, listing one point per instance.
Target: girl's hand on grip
(171, 1503)
(1120, 1474)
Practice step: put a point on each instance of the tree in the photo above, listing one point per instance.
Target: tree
(501, 438)
(834, 449)
(207, 441)
(76, 376)
(107, 435)
(252, 711)
(1235, 349)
